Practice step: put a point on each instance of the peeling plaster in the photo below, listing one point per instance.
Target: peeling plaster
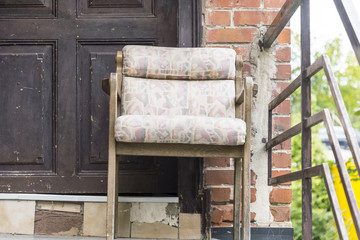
(265, 69)
(166, 213)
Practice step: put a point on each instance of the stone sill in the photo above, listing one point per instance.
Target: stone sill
(84, 198)
(44, 237)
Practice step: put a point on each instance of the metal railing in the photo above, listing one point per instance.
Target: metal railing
(350, 20)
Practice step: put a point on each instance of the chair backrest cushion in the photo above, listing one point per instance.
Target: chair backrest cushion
(179, 63)
(142, 96)
(178, 81)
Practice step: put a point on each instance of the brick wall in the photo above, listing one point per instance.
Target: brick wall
(238, 24)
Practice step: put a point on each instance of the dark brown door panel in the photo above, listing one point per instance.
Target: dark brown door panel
(27, 98)
(28, 9)
(116, 8)
(95, 59)
(53, 56)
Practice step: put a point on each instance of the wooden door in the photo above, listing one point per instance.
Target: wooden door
(53, 56)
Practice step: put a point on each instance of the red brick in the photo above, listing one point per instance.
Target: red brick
(252, 216)
(286, 145)
(279, 87)
(217, 162)
(281, 214)
(223, 224)
(283, 71)
(220, 194)
(229, 35)
(253, 195)
(276, 173)
(274, 3)
(222, 213)
(283, 108)
(284, 36)
(234, 3)
(283, 54)
(218, 18)
(217, 216)
(219, 46)
(253, 17)
(280, 195)
(280, 124)
(281, 160)
(228, 212)
(243, 51)
(253, 178)
(218, 177)
(247, 70)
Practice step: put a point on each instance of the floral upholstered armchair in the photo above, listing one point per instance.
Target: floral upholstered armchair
(183, 102)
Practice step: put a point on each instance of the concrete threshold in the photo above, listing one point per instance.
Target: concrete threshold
(84, 198)
(43, 237)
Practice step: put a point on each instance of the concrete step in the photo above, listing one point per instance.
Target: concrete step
(44, 237)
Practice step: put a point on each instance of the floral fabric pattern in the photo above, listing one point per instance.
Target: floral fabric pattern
(161, 101)
(180, 129)
(215, 98)
(179, 63)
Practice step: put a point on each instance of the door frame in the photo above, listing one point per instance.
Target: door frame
(189, 23)
(192, 195)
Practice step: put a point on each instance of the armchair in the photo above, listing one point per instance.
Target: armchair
(183, 102)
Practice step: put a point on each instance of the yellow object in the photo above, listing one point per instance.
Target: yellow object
(355, 182)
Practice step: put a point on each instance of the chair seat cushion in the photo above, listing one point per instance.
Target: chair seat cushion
(180, 129)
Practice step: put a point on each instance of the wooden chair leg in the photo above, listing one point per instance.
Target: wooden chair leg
(112, 192)
(245, 189)
(237, 200)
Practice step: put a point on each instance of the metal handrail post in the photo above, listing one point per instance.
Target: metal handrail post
(306, 113)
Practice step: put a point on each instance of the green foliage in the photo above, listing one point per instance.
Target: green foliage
(357, 111)
(347, 72)
(323, 220)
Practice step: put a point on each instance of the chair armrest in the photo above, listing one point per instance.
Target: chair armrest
(239, 98)
(105, 85)
(114, 97)
(249, 87)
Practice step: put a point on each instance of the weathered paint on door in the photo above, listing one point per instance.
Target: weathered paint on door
(53, 56)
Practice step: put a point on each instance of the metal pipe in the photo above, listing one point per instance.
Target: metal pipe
(306, 113)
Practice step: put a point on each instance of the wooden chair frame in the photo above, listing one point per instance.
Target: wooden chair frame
(241, 154)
